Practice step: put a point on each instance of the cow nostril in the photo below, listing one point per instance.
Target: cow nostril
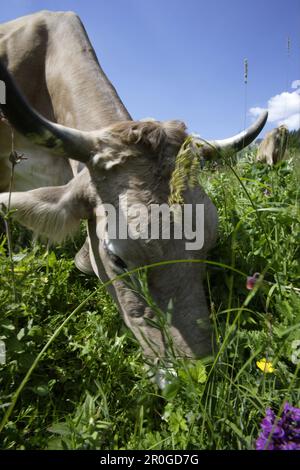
(118, 263)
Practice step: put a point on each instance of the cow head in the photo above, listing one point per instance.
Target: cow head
(129, 165)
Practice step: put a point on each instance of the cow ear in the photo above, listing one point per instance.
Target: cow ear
(53, 212)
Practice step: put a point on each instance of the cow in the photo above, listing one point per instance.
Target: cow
(272, 149)
(125, 163)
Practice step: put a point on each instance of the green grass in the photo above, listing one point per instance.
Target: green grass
(89, 389)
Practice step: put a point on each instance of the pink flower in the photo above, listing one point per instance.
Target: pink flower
(251, 281)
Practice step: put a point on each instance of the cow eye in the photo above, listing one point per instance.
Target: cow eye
(118, 263)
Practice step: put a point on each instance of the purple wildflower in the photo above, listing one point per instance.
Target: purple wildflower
(283, 434)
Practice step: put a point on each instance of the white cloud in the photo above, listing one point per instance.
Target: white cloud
(296, 84)
(255, 112)
(292, 122)
(283, 105)
(283, 108)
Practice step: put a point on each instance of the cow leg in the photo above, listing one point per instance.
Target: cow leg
(82, 259)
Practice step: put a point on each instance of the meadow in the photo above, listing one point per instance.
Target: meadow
(74, 376)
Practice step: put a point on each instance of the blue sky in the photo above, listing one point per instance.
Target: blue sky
(184, 59)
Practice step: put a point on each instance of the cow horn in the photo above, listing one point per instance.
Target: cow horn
(61, 140)
(215, 148)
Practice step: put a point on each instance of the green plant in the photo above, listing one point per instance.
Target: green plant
(90, 389)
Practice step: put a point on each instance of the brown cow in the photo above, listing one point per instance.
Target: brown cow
(273, 147)
(128, 165)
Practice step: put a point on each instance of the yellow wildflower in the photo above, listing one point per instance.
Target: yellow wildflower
(265, 366)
